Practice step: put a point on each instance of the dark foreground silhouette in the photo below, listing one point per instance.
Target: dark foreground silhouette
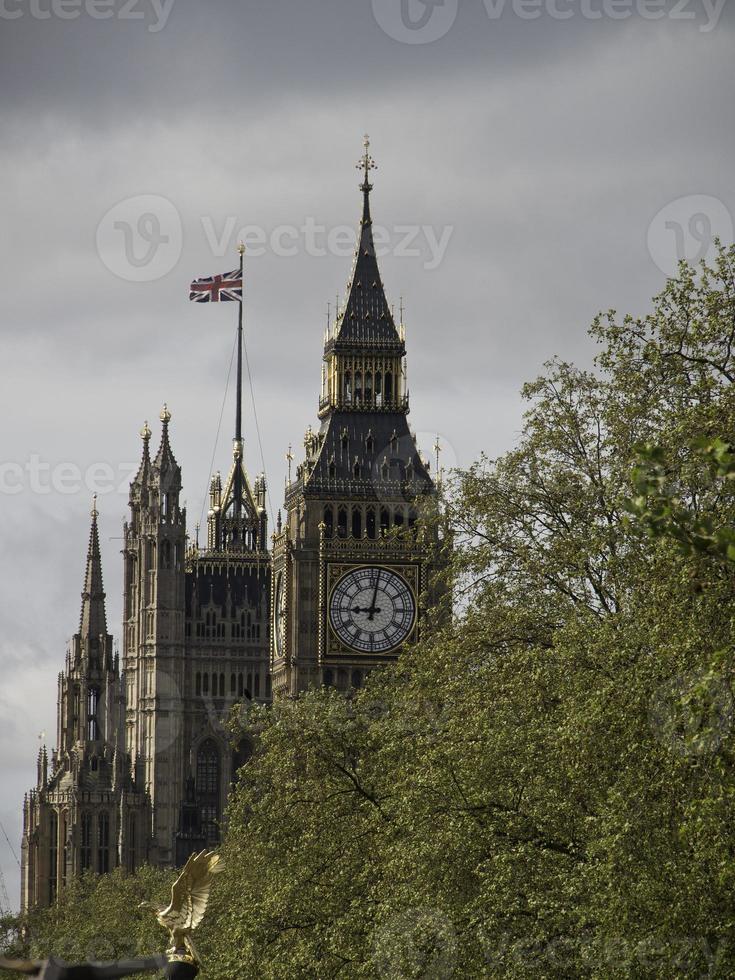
(54, 969)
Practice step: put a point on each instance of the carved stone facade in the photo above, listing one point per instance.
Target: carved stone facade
(144, 762)
(89, 810)
(351, 567)
(195, 642)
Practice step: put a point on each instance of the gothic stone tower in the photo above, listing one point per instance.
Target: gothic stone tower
(349, 564)
(153, 633)
(195, 640)
(89, 811)
(226, 641)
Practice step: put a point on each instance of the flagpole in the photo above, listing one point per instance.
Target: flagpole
(238, 410)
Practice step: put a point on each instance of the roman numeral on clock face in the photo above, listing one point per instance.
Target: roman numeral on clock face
(372, 609)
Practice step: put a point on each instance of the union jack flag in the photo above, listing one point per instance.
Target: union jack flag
(226, 288)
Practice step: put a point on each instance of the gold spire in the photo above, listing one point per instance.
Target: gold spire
(366, 164)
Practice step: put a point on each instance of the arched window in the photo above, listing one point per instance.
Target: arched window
(205, 683)
(378, 389)
(267, 685)
(398, 517)
(103, 842)
(249, 688)
(368, 387)
(328, 521)
(256, 686)
(93, 697)
(132, 841)
(328, 677)
(342, 522)
(388, 387)
(239, 685)
(348, 387)
(358, 387)
(221, 685)
(356, 678)
(356, 522)
(53, 859)
(165, 552)
(207, 786)
(64, 844)
(85, 853)
(384, 520)
(370, 523)
(233, 684)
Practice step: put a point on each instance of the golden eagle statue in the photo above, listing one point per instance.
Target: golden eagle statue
(189, 897)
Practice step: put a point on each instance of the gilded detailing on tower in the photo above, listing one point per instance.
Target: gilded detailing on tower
(349, 563)
(144, 763)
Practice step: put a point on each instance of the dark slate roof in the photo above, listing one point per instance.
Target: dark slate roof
(93, 621)
(382, 446)
(366, 319)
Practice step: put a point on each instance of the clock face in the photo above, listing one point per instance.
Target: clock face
(372, 609)
(278, 613)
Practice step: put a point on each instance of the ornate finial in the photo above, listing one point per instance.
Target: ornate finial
(437, 449)
(241, 248)
(94, 510)
(165, 415)
(366, 164)
(145, 432)
(289, 458)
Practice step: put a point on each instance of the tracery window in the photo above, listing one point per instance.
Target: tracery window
(103, 842)
(207, 784)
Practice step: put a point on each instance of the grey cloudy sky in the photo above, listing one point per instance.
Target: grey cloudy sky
(560, 162)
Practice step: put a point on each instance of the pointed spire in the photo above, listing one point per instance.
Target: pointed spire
(164, 457)
(366, 317)
(93, 622)
(144, 469)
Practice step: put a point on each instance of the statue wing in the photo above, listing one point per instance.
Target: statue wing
(190, 892)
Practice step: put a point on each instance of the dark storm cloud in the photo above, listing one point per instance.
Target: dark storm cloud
(157, 57)
(545, 147)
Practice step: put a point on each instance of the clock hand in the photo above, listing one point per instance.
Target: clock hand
(373, 609)
(356, 609)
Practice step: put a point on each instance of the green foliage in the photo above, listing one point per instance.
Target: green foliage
(664, 514)
(544, 787)
(97, 918)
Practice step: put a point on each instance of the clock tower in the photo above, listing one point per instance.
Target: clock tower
(351, 562)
